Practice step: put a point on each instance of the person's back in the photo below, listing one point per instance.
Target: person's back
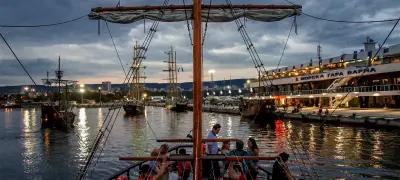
(280, 170)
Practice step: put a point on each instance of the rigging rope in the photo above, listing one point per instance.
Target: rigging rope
(130, 75)
(43, 25)
(206, 26)
(344, 21)
(115, 48)
(16, 57)
(287, 40)
(187, 23)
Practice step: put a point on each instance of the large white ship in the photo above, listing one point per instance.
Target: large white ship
(364, 79)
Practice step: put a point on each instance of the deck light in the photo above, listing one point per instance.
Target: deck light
(376, 94)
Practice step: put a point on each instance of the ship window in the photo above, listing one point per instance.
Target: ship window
(385, 50)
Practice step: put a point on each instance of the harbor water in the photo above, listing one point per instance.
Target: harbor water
(29, 152)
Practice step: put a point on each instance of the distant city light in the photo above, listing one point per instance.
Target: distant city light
(81, 85)
(82, 90)
(240, 91)
(26, 88)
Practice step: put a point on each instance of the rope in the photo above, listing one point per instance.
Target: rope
(284, 47)
(344, 21)
(127, 79)
(115, 48)
(205, 28)
(187, 23)
(43, 25)
(16, 57)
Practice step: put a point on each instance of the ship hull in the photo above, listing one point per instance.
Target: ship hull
(259, 112)
(51, 118)
(133, 109)
(179, 107)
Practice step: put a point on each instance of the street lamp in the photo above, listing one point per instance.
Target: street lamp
(144, 96)
(82, 91)
(99, 88)
(211, 72)
(26, 88)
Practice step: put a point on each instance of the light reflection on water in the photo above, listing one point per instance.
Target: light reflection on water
(335, 152)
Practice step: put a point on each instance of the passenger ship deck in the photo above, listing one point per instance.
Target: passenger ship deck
(348, 80)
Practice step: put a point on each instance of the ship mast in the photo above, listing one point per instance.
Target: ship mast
(197, 89)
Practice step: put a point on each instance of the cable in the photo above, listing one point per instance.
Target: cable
(284, 47)
(115, 48)
(43, 25)
(187, 23)
(16, 57)
(343, 21)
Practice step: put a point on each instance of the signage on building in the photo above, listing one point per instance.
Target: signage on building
(337, 74)
(341, 73)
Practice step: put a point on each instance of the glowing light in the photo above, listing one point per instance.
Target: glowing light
(311, 96)
(248, 81)
(356, 92)
(82, 90)
(376, 94)
(81, 85)
(26, 88)
(99, 88)
(324, 94)
(144, 95)
(339, 95)
(211, 71)
(240, 91)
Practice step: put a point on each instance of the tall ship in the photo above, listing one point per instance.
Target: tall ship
(201, 163)
(174, 100)
(135, 102)
(58, 112)
(366, 78)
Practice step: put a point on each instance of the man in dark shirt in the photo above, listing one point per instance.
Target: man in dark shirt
(280, 171)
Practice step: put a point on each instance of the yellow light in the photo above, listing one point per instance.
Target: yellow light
(81, 85)
(82, 90)
(376, 94)
(248, 81)
(144, 95)
(211, 71)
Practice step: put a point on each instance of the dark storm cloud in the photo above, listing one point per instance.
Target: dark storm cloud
(89, 55)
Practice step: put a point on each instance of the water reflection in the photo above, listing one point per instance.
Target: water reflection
(83, 133)
(335, 151)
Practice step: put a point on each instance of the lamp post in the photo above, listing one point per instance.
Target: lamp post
(82, 91)
(99, 88)
(211, 72)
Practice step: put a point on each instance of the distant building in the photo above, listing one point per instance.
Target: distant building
(106, 86)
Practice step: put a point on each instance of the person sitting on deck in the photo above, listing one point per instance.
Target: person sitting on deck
(240, 152)
(184, 167)
(146, 174)
(280, 171)
(253, 150)
(153, 164)
(235, 171)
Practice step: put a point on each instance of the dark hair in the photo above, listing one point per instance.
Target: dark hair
(284, 156)
(217, 126)
(239, 145)
(253, 143)
(182, 151)
(145, 168)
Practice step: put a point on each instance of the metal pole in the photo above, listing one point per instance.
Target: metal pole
(197, 84)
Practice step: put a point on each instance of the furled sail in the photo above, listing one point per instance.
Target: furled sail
(214, 13)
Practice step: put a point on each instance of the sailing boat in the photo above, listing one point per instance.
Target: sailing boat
(59, 114)
(134, 104)
(174, 101)
(199, 13)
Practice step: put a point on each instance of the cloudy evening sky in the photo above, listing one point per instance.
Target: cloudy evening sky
(90, 58)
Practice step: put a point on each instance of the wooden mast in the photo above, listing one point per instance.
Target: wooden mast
(197, 89)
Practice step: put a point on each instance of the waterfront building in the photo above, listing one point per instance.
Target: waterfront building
(364, 78)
